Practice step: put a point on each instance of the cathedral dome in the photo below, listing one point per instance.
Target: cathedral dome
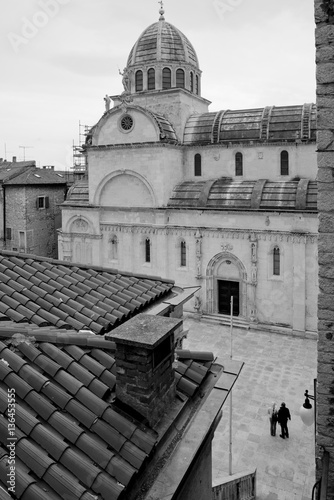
(162, 42)
(162, 59)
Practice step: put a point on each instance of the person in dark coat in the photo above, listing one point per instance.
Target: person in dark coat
(283, 417)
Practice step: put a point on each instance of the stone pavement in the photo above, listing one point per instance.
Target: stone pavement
(277, 368)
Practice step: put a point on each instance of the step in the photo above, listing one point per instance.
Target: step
(224, 319)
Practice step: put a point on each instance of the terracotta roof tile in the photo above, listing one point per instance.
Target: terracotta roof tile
(109, 434)
(99, 454)
(49, 441)
(34, 458)
(133, 454)
(65, 426)
(107, 487)
(63, 483)
(94, 403)
(103, 358)
(121, 470)
(40, 404)
(68, 382)
(81, 413)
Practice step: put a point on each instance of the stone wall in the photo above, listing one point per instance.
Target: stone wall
(38, 225)
(324, 35)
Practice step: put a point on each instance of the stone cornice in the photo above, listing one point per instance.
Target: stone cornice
(254, 143)
(222, 233)
(80, 235)
(135, 145)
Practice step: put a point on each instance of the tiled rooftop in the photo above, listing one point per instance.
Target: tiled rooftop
(71, 439)
(47, 292)
(33, 176)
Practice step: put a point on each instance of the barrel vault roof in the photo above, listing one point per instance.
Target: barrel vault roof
(285, 123)
(227, 194)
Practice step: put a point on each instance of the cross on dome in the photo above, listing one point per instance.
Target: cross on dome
(161, 11)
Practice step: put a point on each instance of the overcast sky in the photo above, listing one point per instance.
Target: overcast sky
(60, 57)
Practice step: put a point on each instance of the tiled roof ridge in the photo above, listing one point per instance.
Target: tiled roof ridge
(56, 336)
(83, 266)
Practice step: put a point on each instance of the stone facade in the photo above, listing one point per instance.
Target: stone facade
(33, 229)
(131, 218)
(325, 103)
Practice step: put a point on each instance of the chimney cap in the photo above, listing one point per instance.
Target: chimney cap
(144, 330)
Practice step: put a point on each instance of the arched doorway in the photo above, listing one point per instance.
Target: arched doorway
(225, 277)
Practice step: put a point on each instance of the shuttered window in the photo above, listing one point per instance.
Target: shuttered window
(42, 202)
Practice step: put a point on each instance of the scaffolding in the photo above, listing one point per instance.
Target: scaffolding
(79, 151)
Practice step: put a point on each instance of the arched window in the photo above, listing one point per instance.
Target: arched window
(183, 254)
(198, 164)
(166, 78)
(238, 164)
(151, 79)
(284, 163)
(113, 248)
(197, 85)
(147, 250)
(276, 262)
(139, 81)
(180, 78)
(191, 81)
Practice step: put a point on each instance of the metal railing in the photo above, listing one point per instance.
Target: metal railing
(241, 486)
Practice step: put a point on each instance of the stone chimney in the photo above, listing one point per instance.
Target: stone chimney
(145, 378)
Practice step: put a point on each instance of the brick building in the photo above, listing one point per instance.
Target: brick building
(324, 16)
(31, 213)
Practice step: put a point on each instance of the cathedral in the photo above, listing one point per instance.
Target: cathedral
(223, 200)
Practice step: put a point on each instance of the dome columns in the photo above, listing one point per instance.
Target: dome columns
(139, 83)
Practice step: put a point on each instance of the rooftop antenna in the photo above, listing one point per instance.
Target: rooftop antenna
(6, 152)
(24, 151)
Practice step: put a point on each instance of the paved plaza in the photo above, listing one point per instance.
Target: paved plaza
(277, 368)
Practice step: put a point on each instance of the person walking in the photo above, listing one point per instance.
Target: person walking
(273, 416)
(283, 417)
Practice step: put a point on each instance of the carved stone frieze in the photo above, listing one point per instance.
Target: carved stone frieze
(221, 233)
(83, 236)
